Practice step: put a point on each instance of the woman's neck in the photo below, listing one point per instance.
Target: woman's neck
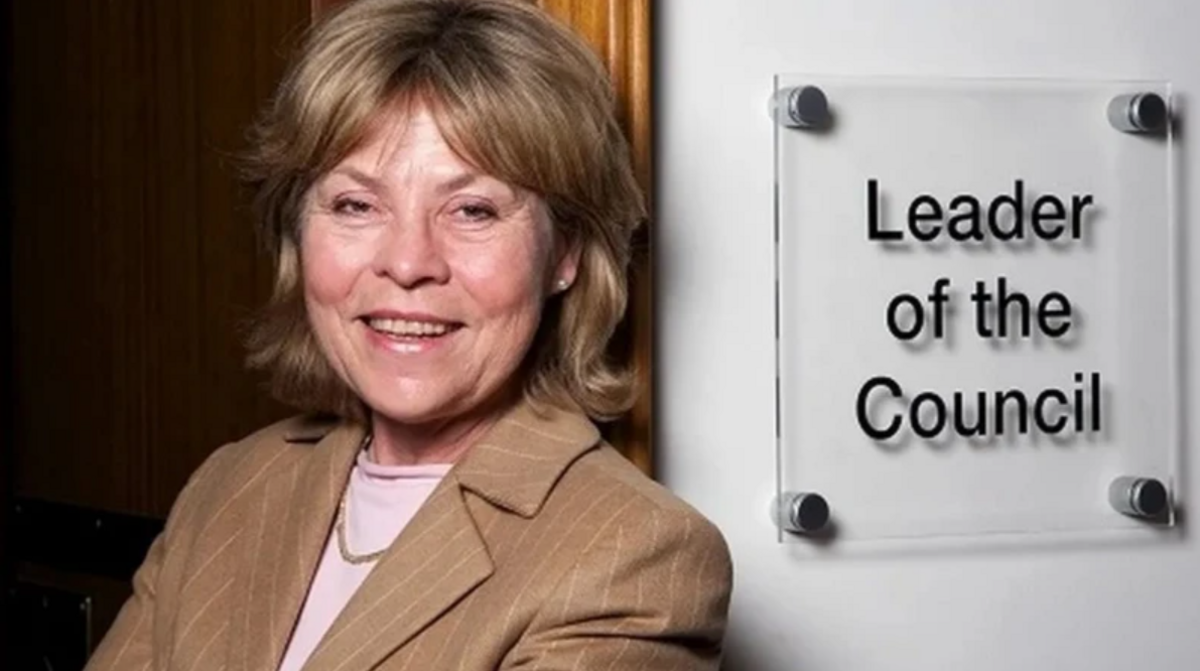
(396, 443)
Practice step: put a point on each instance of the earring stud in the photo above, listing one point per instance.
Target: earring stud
(563, 285)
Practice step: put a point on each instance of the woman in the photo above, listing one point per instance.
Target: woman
(450, 203)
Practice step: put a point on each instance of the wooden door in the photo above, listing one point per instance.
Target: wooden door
(619, 31)
(133, 265)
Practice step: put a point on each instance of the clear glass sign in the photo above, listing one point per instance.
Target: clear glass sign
(977, 330)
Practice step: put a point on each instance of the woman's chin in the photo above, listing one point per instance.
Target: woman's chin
(413, 413)
(436, 406)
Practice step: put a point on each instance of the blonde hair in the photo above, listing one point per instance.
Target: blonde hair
(514, 93)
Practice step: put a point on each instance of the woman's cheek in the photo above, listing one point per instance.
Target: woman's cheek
(332, 262)
(501, 280)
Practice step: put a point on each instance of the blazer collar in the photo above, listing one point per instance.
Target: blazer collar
(442, 556)
(514, 467)
(519, 461)
(293, 524)
(312, 428)
(438, 559)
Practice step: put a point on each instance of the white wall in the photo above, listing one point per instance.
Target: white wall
(1131, 605)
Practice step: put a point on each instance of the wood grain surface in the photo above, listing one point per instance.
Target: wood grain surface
(620, 32)
(134, 263)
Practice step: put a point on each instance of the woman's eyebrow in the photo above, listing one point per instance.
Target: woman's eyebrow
(468, 178)
(366, 179)
(459, 182)
(448, 186)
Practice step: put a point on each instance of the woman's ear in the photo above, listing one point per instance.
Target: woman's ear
(567, 252)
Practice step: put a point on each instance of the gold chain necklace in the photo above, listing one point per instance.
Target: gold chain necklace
(339, 527)
(343, 546)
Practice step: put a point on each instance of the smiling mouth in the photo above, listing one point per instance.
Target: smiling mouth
(406, 329)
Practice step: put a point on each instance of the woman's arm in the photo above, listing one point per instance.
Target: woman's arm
(655, 595)
(129, 643)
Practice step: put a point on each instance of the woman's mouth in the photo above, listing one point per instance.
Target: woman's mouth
(407, 329)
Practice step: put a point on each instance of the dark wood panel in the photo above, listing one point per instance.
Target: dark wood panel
(620, 32)
(134, 261)
(7, 567)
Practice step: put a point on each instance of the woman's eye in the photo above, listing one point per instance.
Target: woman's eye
(477, 212)
(351, 206)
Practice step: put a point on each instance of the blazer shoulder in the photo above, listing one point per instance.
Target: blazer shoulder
(642, 550)
(606, 464)
(644, 500)
(235, 463)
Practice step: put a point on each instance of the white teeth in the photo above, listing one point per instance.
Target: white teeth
(403, 327)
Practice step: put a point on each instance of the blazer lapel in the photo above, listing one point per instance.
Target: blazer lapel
(442, 555)
(517, 464)
(295, 525)
(437, 560)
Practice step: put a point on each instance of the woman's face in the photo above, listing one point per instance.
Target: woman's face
(424, 278)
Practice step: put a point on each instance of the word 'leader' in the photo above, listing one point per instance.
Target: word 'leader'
(966, 218)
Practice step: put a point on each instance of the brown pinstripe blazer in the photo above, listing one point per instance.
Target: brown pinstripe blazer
(542, 549)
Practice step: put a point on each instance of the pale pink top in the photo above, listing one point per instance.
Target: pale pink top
(381, 501)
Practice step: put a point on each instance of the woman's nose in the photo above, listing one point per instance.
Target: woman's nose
(409, 254)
